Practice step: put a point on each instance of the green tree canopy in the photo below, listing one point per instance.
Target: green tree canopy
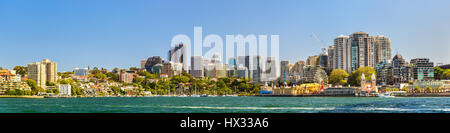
(112, 76)
(65, 74)
(21, 70)
(48, 83)
(355, 77)
(100, 76)
(446, 74)
(66, 81)
(95, 71)
(34, 86)
(337, 77)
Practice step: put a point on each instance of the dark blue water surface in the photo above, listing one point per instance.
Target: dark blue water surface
(226, 105)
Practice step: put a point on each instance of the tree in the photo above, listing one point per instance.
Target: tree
(388, 89)
(100, 76)
(65, 74)
(76, 91)
(395, 89)
(33, 85)
(48, 83)
(49, 91)
(21, 70)
(446, 74)
(112, 76)
(66, 81)
(439, 89)
(180, 79)
(115, 89)
(417, 89)
(355, 76)
(337, 77)
(56, 91)
(184, 73)
(429, 89)
(405, 88)
(438, 72)
(138, 80)
(95, 71)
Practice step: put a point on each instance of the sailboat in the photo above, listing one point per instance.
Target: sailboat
(195, 91)
(214, 94)
(182, 95)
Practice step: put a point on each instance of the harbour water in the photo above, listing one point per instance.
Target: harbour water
(227, 105)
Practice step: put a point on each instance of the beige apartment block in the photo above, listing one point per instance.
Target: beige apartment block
(42, 72)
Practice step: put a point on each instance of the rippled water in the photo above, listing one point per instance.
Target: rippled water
(226, 105)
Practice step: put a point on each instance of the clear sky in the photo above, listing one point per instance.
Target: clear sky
(119, 33)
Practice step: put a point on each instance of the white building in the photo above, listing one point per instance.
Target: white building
(65, 89)
(81, 72)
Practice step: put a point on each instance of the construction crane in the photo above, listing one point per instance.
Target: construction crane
(324, 49)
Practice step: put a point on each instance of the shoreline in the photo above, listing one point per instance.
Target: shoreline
(10, 96)
(306, 95)
(447, 94)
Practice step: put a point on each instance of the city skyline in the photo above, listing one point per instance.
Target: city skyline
(111, 34)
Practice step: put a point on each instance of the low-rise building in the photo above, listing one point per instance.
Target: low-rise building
(65, 89)
(314, 74)
(340, 91)
(11, 85)
(127, 76)
(422, 69)
(81, 72)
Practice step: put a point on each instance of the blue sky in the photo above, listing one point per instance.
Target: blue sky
(119, 33)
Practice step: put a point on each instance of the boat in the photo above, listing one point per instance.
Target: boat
(182, 95)
(203, 95)
(385, 95)
(234, 95)
(194, 95)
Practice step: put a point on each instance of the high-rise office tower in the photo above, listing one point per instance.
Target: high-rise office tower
(197, 66)
(152, 61)
(312, 60)
(270, 70)
(244, 61)
(232, 61)
(323, 60)
(284, 69)
(331, 57)
(255, 68)
(178, 55)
